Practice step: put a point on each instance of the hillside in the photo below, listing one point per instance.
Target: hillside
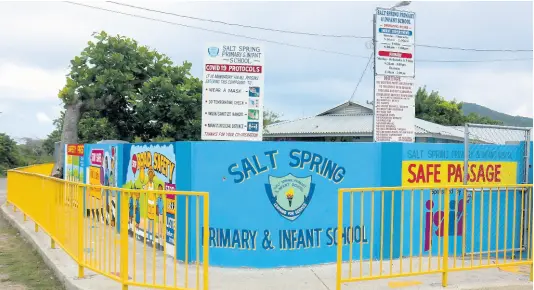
(508, 120)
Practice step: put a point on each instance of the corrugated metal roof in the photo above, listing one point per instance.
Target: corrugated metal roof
(495, 135)
(356, 119)
(348, 124)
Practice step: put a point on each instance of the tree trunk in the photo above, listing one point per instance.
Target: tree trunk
(69, 135)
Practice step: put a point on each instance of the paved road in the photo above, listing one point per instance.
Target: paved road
(3, 185)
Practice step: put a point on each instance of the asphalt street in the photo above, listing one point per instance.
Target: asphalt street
(3, 185)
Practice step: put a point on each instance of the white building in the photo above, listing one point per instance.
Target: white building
(353, 122)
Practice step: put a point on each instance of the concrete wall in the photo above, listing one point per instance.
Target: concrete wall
(252, 223)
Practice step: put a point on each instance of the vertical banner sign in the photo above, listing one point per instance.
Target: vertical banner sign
(74, 165)
(73, 170)
(102, 170)
(394, 99)
(232, 92)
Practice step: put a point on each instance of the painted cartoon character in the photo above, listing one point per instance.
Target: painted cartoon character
(112, 182)
(455, 225)
(159, 213)
(151, 200)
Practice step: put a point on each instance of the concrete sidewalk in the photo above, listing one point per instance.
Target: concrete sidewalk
(301, 278)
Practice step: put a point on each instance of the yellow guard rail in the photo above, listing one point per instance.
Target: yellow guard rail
(414, 231)
(81, 219)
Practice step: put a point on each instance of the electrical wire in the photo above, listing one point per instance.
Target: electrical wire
(272, 41)
(218, 31)
(310, 33)
(240, 25)
(361, 77)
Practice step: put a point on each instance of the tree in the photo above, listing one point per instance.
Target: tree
(9, 154)
(269, 118)
(55, 135)
(434, 108)
(118, 88)
(32, 151)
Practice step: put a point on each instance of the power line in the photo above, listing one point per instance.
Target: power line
(361, 77)
(310, 33)
(475, 60)
(218, 31)
(241, 25)
(271, 41)
(473, 49)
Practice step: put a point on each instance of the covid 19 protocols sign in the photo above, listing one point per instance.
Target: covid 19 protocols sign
(232, 92)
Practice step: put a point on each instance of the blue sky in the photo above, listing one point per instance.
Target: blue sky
(44, 36)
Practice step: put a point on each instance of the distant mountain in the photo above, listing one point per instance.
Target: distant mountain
(507, 120)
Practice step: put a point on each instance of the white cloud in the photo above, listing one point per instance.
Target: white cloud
(28, 82)
(506, 91)
(298, 82)
(43, 118)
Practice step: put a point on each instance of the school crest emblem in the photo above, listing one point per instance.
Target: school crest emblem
(290, 195)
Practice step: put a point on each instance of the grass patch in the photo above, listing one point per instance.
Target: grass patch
(21, 267)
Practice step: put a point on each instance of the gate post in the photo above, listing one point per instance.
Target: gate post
(123, 233)
(339, 259)
(445, 267)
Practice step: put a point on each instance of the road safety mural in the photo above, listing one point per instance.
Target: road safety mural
(151, 167)
(73, 169)
(102, 170)
(74, 163)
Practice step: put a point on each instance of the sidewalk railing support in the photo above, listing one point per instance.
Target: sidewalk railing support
(82, 233)
(124, 240)
(446, 217)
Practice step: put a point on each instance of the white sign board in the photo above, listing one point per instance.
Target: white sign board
(394, 106)
(232, 92)
(394, 34)
(395, 27)
(394, 109)
(394, 60)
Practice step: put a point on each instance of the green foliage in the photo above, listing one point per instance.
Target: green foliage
(129, 91)
(9, 154)
(434, 108)
(269, 118)
(506, 119)
(32, 151)
(14, 155)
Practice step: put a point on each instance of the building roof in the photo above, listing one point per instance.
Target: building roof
(351, 119)
(496, 134)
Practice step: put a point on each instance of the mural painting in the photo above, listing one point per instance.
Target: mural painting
(151, 167)
(74, 163)
(74, 167)
(437, 166)
(102, 170)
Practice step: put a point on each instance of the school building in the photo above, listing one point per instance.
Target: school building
(353, 122)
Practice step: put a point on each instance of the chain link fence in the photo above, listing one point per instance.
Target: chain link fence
(486, 142)
(509, 148)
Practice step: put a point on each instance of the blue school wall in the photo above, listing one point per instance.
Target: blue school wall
(250, 224)
(482, 212)
(249, 184)
(248, 228)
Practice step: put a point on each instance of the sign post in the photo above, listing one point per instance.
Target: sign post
(232, 92)
(394, 74)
